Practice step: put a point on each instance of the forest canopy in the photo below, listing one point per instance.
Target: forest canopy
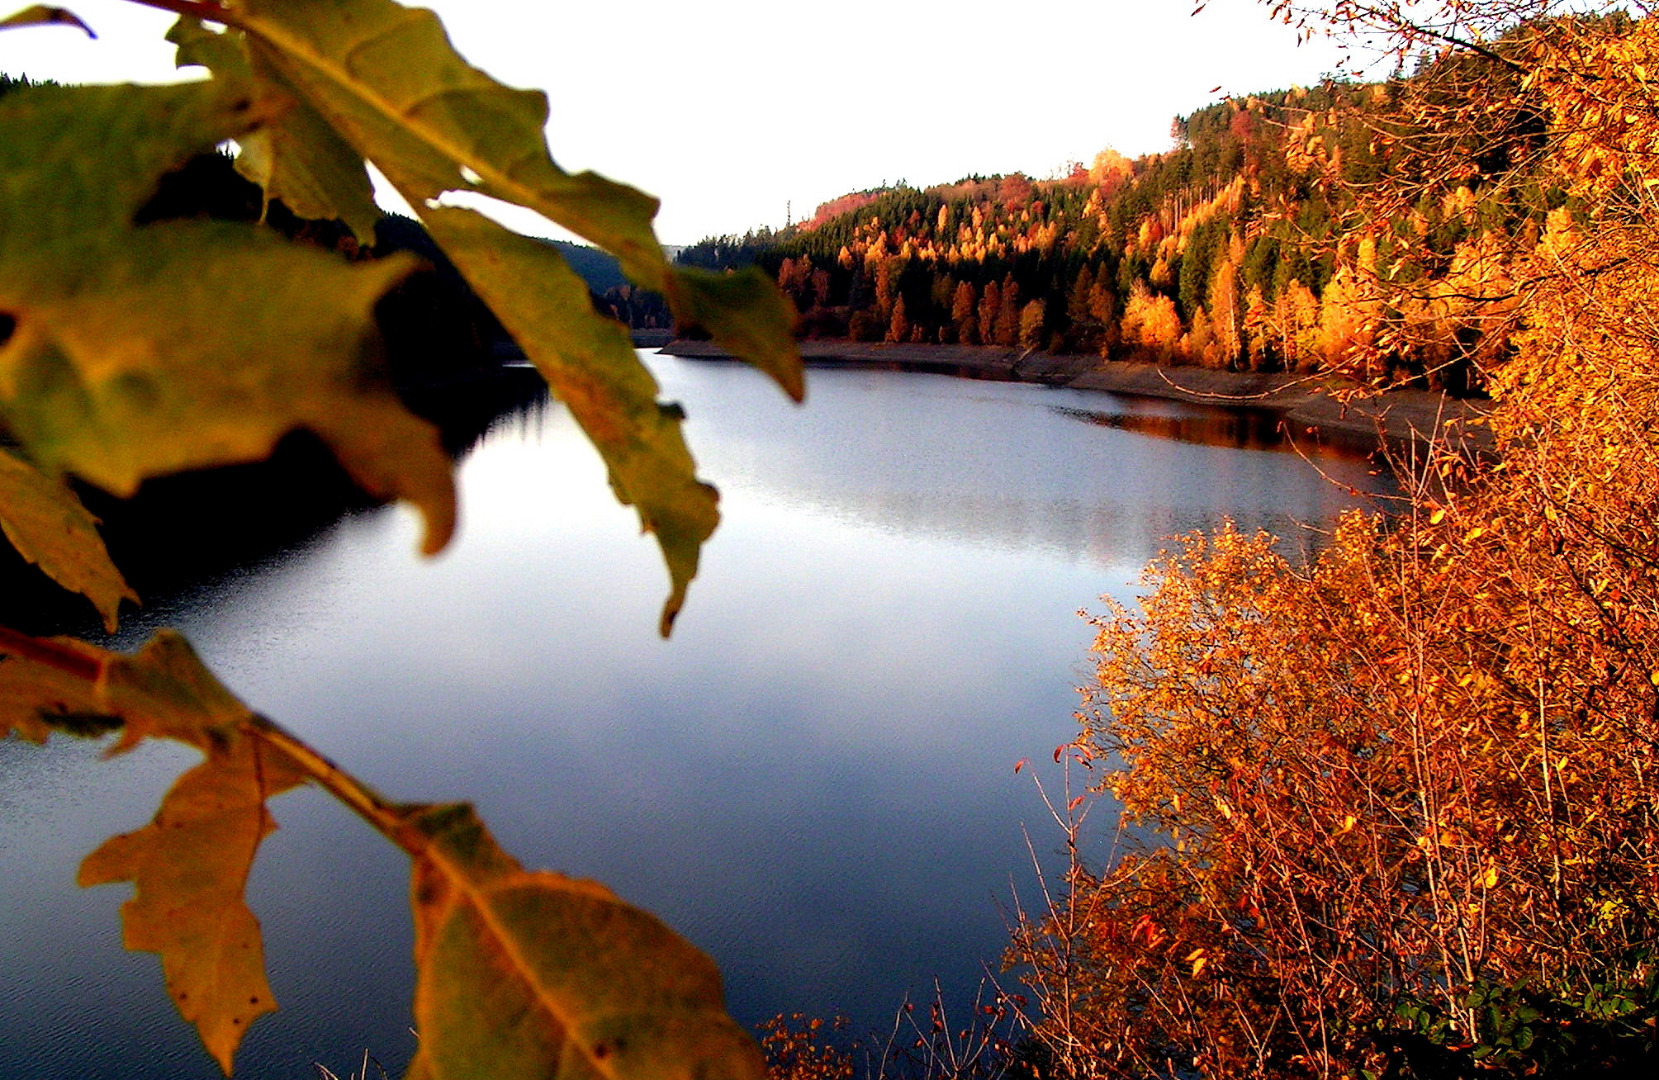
(1252, 244)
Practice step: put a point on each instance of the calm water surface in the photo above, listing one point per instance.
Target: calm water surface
(813, 780)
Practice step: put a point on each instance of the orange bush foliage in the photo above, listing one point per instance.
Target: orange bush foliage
(1398, 807)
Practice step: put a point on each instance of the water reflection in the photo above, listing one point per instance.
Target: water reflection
(1003, 464)
(813, 780)
(1239, 428)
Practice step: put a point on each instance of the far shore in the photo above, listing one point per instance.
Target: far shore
(1307, 404)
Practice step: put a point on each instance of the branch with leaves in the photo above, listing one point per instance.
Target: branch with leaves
(133, 350)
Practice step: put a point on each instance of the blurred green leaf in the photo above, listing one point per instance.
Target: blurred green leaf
(137, 351)
(747, 315)
(589, 363)
(296, 156)
(388, 79)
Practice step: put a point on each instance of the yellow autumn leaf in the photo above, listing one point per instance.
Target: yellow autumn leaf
(164, 691)
(49, 527)
(590, 365)
(37, 698)
(190, 865)
(519, 973)
(189, 868)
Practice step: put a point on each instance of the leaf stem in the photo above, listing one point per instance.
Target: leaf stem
(51, 653)
(388, 818)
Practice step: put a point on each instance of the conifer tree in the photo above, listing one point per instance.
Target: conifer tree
(964, 313)
(898, 328)
(990, 302)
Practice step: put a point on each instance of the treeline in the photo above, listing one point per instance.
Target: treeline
(8, 83)
(1242, 248)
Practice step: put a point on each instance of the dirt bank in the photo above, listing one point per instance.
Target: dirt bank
(1308, 404)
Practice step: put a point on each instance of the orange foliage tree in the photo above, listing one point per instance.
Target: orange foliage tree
(1394, 808)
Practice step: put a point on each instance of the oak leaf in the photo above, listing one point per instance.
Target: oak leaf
(190, 865)
(189, 868)
(38, 698)
(164, 691)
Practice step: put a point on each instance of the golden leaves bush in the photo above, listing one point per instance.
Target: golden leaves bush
(1386, 783)
(1397, 804)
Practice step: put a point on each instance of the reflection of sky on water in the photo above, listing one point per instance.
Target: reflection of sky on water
(813, 780)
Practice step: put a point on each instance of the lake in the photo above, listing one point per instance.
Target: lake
(813, 780)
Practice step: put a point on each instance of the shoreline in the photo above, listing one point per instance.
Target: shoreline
(1398, 418)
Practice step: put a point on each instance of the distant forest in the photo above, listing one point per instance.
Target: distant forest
(1244, 247)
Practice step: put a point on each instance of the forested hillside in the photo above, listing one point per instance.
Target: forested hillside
(1242, 247)
(1403, 795)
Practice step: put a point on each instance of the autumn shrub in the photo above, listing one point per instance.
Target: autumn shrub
(1391, 812)
(928, 1040)
(801, 1047)
(1396, 807)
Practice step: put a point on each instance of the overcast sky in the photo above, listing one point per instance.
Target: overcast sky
(730, 110)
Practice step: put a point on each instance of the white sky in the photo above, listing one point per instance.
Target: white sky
(728, 110)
